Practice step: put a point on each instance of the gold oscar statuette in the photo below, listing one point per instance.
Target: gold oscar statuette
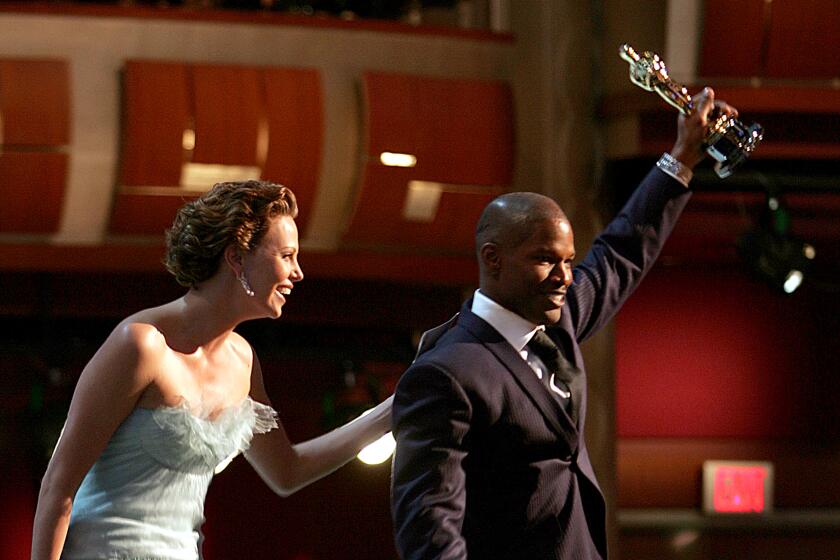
(728, 141)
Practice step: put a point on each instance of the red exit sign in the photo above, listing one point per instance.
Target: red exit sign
(737, 487)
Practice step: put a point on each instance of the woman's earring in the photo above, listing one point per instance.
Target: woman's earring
(245, 285)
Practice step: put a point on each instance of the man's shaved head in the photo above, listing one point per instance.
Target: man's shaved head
(511, 218)
(525, 251)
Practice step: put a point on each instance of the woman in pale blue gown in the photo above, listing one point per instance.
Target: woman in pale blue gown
(174, 393)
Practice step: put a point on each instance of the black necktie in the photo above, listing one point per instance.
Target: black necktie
(541, 345)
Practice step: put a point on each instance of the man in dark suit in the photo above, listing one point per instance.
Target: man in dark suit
(491, 461)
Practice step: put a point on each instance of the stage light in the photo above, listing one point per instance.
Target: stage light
(379, 451)
(357, 397)
(772, 254)
(783, 262)
(188, 139)
(793, 281)
(199, 177)
(396, 159)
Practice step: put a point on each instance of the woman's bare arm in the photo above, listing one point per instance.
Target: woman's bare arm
(107, 391)
(288, 467)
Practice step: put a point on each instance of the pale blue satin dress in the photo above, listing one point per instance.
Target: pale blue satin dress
(144, 496)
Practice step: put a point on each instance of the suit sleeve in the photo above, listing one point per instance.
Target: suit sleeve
(624, 252)
(431, 418)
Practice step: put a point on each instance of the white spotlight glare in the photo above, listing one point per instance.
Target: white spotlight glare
(793, 280)
(379, 451)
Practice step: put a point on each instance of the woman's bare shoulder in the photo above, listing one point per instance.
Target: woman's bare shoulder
(139, 342)
(242, 348)
(139, 332)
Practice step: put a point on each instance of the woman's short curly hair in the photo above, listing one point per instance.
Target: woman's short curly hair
(233, 212)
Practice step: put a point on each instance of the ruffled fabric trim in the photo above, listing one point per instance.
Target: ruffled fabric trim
(210, 441)
(265, 417)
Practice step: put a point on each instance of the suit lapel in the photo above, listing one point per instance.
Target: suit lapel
(550, 408)
(429, 338)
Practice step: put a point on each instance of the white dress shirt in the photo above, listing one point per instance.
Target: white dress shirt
(516, 330)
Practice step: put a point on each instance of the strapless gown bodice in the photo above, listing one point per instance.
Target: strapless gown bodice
(144, 496)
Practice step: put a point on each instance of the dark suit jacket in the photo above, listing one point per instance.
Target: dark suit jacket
(488, 464)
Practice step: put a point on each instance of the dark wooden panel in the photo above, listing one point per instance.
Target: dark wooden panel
(814, 216)
(294, 105)
(228, 107)
(792, 99)
(404, 269)
(732, 544)
(180, 11)
(34, 102)
(144, 214)
(460, 131)
(667, 472)
(31, 191)
(156, 110)
(322, 303)
(732, 38)
(799, 122)
(804, 39)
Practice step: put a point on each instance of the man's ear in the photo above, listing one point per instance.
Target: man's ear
(490, 258)
(233, 258)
